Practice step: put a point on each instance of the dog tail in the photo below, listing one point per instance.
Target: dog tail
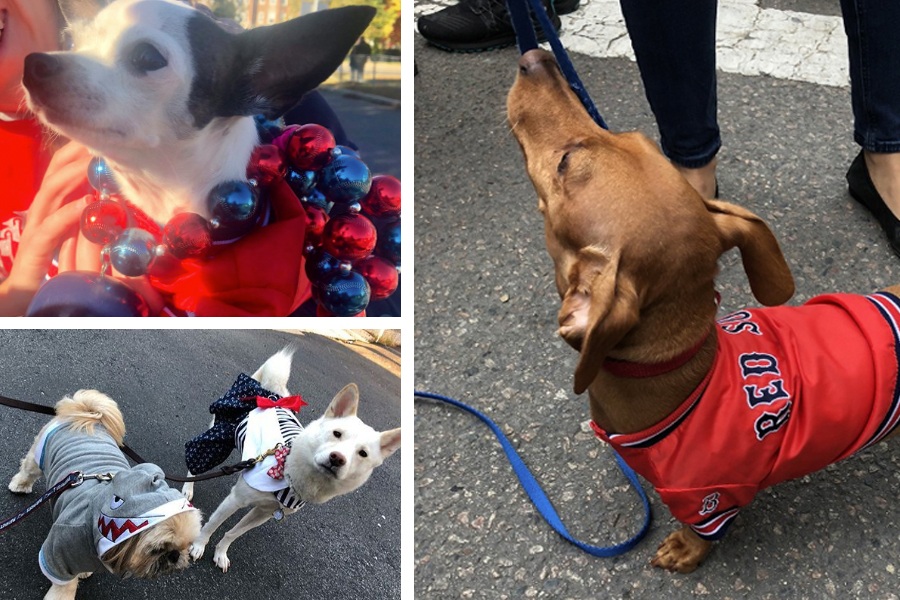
(276, 371)
(86, 408)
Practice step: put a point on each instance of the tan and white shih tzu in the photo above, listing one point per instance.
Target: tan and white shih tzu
(133, 525)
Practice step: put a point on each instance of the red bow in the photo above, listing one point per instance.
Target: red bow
(277, 472)
(294, 403)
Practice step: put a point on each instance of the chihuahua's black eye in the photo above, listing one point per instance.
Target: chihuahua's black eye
(363, 453)
(337, 433)
(145, 58)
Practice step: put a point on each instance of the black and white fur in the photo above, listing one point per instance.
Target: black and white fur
(333, 455)
(166, 95)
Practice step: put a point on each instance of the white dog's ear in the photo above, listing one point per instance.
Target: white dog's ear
(267, 70)
(390, 442)
(345, 403)
(76, 11)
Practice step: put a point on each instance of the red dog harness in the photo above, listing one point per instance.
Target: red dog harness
(791, 390)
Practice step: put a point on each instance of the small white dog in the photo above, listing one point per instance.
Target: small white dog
(133, 524)
(166, 95)
(333, 455)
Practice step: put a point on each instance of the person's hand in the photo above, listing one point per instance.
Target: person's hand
(52, 218)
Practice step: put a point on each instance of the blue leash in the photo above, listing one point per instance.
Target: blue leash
(527, 40)
(539, 498)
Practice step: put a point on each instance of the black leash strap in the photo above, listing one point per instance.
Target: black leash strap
(71, 480)
(130, 452)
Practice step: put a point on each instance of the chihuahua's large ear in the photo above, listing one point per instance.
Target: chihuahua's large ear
(599, 308)
(768, 273)
(268, 69)
(296, 56)
(75, 11)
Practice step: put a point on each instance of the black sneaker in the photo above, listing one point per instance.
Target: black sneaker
(476, 25)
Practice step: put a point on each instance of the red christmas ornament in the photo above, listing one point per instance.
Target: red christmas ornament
(267, 165)
(381, 275)
(321, 311)
(281, 141)
(315, 227)
(103, 221)
(309, 147)
(349, 236)
(187, 235)
(383, 199)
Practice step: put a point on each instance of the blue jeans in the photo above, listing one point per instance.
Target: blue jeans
(674, 42)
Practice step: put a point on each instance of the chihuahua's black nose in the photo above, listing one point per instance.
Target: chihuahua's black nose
(337, 459)
(535, 62)
(40, 67)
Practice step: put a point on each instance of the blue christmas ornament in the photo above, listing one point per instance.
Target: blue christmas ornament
(100, 176)
(267, 129)
(345, 179)
(316, 198)
(343, 294)
(132, 252)
(320, 266)
(339, 150)
(388, 245)
(234, 207)
(300, 181)
(86, 294)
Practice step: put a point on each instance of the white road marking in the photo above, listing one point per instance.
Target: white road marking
(749, 40)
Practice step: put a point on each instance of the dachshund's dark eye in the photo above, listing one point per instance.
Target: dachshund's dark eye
(563, 164)
(145, 58)
(337, 434)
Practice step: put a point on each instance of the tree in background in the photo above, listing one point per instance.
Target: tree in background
(379, 31)
(225, 9)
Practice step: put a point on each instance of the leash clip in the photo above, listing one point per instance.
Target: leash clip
(81, 477)
(269, 452)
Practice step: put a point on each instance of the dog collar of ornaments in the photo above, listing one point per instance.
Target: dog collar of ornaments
(348, 260)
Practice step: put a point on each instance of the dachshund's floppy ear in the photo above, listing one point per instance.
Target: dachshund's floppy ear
(768, 273)
(599, 307)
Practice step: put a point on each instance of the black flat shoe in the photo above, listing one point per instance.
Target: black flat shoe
(863, 191)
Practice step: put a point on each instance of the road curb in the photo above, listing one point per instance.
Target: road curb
(390, 102)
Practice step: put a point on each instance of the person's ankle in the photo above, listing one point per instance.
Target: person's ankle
(884, 170)
(702, 179)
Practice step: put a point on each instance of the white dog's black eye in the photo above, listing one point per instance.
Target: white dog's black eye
(116, 502)
(363, 453)
(337, 433)
(145, 58)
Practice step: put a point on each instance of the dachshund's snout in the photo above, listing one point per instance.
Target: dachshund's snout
(536, 62)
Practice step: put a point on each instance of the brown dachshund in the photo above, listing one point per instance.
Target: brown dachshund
(708, 411)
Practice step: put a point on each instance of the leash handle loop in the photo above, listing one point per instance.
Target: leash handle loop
(539, 498)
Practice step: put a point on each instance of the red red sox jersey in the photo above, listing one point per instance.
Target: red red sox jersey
(791, 391)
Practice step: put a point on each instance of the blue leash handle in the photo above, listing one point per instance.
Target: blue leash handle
(540, 499)
(527, 40)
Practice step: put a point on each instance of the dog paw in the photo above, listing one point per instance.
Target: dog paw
(221, 560)
(20, 484)
(682, 551)
(187, 492)
(197, 551)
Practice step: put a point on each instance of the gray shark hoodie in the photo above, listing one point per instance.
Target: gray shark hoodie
(90, 519)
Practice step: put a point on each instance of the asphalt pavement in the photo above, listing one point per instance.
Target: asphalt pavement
(485, 332)
(164, 381)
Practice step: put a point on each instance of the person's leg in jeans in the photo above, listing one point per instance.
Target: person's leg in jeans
(675, 45)
(872, 28)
